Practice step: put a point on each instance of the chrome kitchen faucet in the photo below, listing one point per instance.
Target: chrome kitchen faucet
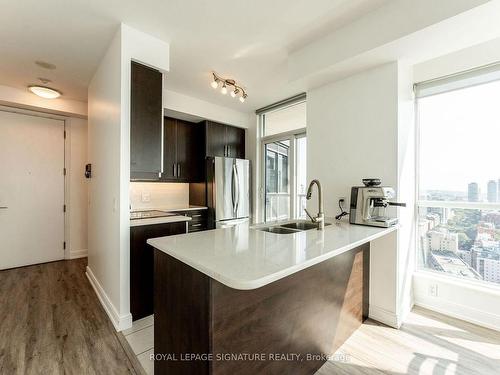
(320, 218)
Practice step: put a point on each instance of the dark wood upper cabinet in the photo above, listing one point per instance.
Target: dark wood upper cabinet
(224, 140)
(169, 149)
(235, 140)
(215, 139)
(183, 151)
(145, 122)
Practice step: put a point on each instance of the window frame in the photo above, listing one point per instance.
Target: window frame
(422, 203)
(292, 137)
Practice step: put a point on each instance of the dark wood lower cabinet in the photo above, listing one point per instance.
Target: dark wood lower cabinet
(309, 314)
(142, 265)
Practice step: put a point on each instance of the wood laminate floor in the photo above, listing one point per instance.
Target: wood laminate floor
(51, 322)
(427, 343)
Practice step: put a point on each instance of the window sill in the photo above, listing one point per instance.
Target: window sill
(482, 287)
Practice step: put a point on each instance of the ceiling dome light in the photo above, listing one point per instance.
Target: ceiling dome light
(215, 84)
(223, 90)
(44, 92)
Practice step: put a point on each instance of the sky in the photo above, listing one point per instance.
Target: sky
(460, 138)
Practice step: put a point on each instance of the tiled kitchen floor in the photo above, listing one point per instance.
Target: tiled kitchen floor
(141, 339)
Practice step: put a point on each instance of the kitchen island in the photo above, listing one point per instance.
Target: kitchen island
(244, 301)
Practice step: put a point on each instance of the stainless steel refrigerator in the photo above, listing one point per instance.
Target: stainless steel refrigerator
(228, 191)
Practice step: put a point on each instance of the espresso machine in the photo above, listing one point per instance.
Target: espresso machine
(369, 204)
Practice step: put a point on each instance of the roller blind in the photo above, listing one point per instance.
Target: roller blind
(468, 78)
(282, 104)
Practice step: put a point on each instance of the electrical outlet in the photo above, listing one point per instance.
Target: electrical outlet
(433, 290)
(145, 197)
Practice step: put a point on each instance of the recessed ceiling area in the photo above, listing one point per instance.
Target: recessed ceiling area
(249, 41)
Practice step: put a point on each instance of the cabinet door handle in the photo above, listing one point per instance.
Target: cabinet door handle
(228, 150)
(196, 225)
(178, 170)
(191, 216)
(173, 165)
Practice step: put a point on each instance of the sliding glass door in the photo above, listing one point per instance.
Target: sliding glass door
(284, 177)
(283, 160)
(277, 183)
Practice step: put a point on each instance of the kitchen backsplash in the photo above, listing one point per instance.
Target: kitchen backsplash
(148, 195)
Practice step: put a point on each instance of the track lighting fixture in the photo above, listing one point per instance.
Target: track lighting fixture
(236, 90)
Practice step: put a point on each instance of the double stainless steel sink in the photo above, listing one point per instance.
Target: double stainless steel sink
(290, 228)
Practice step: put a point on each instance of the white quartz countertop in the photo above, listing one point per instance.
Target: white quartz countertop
(242, 257)
(159, 220)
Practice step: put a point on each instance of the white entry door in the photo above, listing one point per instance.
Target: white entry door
(31, 190)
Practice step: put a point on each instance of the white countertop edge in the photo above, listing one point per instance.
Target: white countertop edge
(158, 220)
(258, 283)
(170, 209)
(193, 208)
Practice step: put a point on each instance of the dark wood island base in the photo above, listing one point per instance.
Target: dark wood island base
(289, 326)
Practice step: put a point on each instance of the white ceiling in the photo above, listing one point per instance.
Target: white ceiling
(245, 40)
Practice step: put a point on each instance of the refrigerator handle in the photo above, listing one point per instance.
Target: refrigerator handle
(237, 175)
(233, 178)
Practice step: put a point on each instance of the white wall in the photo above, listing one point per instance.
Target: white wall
(464, 59)
(104, 143)
(77, 192)
(353, 133)
(469, 301)
(187, 104)
(109, 152)
(17, 98)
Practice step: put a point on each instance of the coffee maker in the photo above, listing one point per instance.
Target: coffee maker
(369, 204)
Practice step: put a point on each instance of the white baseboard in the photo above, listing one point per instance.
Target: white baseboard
(459, 311)
(384, 316)
(120, 322)
(75, 254)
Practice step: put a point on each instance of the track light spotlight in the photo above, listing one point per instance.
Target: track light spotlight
(235, 92)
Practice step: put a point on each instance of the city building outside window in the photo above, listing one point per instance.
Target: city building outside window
(459, 175)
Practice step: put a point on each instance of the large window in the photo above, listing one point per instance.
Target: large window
(459, 176)
(284, 161)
